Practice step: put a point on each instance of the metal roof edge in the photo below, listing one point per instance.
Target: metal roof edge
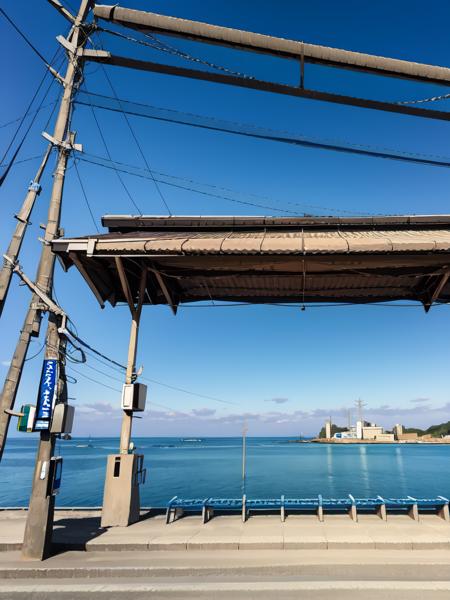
(132, 222)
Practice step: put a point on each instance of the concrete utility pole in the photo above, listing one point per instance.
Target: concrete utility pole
(63, 140)
(39, 526)
(22, 217)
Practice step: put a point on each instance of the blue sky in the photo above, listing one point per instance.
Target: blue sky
(281, 369)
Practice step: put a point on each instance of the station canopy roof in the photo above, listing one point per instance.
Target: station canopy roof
(264, 259)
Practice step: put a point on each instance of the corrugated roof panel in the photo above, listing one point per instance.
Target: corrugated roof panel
(322, 242)
(282, 242)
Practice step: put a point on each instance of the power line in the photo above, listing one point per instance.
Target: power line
(29, 114)
(27, 111)
(157, 44)
(89, 347)
(96, 381)
(14, 156)
(108, 153)
(261, 133)
(184, 187)
(85, 196)
(136, 141)
(18, 162)
(165, 406)
(117, 366)
(139, 172)
(423, 100)
(24, 37)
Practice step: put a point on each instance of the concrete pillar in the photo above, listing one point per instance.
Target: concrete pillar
(382, 512)
(444, 513)
(414, 512)
(328, 429)
(121, 499)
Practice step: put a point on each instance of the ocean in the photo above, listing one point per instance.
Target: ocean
(202, 467)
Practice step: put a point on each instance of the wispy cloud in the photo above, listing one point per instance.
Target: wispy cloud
(205, 420)
(277, 400)
(5, 363)
(203, 412)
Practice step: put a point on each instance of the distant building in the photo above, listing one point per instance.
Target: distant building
(371, 432)
(384, 437)
(345, 435)
(398, 431)
(407, 437)
(359, 429)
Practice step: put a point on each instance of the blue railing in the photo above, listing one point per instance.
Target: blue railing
(320, 505)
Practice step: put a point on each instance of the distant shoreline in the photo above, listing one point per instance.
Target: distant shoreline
(357, 441)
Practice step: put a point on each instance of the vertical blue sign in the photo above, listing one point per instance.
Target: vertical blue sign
(47, 395)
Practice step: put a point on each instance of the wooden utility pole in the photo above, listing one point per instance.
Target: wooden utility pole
(22, 217)
(63, 140)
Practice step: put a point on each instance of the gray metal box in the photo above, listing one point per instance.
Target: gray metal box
(62, 420)
(134, 396)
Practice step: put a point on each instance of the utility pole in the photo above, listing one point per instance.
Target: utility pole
(34, 189)
(37, 540)
(63, 140)
(38, 531)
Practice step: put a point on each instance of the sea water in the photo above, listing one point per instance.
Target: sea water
(202, 467)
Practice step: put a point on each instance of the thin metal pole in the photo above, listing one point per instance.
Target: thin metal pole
(44, 279)
(19, 233)
(244, 457)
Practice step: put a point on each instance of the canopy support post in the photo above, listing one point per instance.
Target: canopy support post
(121, 499)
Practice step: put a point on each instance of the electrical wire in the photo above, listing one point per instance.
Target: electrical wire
(35, 355)
(85, 196)
(13, 158)
(423, 100)
(25, 38)
(29, 114)
(108, 153)
(88, 347)
(23, 160)
(117, 366)
(161, 195)
(157, 44)
(261, 133)
(95, 380)
(27, 111)
(165, 406)
(123, 167)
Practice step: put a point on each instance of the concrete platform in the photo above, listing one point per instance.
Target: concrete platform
(227, 574)
(82, 531)
(262, 558)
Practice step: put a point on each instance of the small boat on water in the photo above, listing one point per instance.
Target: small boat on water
(192, 440)
(88, 445)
